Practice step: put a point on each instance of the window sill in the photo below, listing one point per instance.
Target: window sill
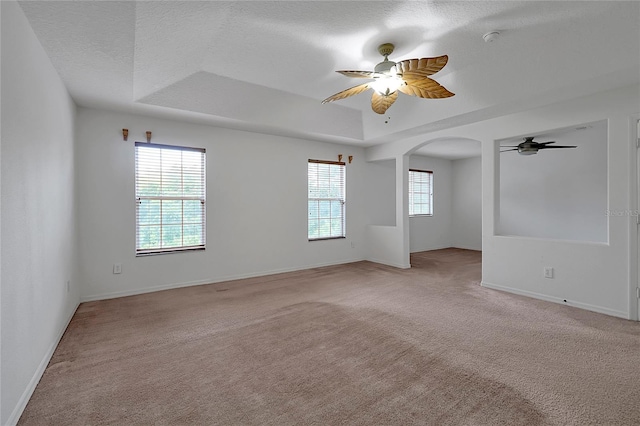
(171, 251)
(327, 238)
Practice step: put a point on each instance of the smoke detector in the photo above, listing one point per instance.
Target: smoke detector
(491, 36)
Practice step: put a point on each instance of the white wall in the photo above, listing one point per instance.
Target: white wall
(433, 232)
(38, 248)
(594, 276)
(560, 193)
(389, 244)
(381, 193)
(256, 205)
(466, 228)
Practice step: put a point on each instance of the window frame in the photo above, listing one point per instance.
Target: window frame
(411, 192)
(200, 197)
(341, 199)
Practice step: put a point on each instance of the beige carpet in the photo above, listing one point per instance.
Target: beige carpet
(357, 344)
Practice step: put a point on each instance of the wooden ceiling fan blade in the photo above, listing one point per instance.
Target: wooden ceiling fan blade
(415, 74)
(380, 103)
(359, 74)
(507, 150)
(346, 93)
(427, 66)
(425, 88)
(545, 143)
(557, 146)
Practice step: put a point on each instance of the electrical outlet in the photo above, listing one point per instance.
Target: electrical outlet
(117, 268)
(548, 272)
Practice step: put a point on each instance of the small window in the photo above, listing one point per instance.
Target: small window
(170, 198)
(326, 182)
(420, 193)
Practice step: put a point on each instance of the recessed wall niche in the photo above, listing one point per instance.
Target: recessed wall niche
(558, 194)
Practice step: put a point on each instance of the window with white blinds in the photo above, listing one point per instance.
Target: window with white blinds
(170, 198)
(326, 183)
(420, 192)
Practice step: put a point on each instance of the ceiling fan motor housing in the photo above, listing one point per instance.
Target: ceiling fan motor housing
(386, 49)
(385, 66)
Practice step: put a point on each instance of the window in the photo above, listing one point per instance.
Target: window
(170, 198)
(420, 192)
(326, 199)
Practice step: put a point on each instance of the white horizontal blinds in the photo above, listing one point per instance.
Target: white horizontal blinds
(420, 192)
(170, 198)
(326, 182)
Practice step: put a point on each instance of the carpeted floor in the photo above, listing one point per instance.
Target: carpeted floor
(356, 344)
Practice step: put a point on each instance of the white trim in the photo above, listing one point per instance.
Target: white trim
(31, 387)
(593, 308)
(460, 246)
(553, 240)
(634, 203)
(124, 293)
(393, 264)
(430, 249)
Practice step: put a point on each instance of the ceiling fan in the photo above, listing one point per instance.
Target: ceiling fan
(529, 147)
(410, 77)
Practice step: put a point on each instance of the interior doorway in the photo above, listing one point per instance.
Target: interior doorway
(454, 218)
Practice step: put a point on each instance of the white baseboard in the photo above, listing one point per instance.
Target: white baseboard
(133, 292)
(31, 387)
(430, 249)
(395, 265)
(468, 248)
(586, 306)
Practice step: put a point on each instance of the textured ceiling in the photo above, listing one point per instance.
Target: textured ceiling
(266, 66)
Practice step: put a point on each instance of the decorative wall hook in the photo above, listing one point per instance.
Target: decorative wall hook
(350, 159)
(339, 157)
(125, 134)
(148, 136)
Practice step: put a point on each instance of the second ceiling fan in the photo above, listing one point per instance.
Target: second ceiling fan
(410, 77)
(530, 147)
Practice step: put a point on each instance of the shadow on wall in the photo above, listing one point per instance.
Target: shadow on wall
(557, 193)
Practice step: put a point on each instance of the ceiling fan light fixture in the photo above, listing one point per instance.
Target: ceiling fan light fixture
(387, 85)
(525, 150)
